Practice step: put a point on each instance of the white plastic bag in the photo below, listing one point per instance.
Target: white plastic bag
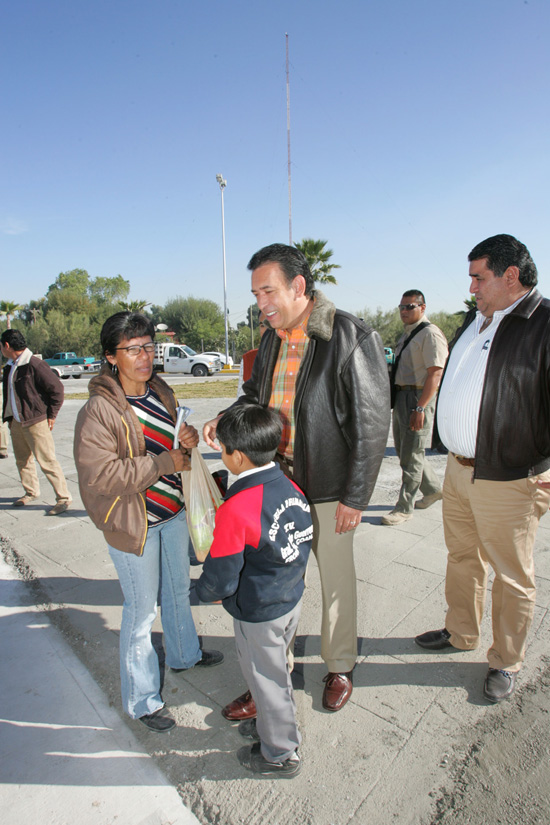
(202, 499)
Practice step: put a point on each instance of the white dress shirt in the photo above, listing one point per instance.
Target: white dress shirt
(461, 390)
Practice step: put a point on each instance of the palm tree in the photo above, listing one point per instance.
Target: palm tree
(318, 259)
(470, 302)
(8, 308)
(134, 306)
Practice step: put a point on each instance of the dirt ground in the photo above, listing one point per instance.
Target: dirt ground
(504, 775)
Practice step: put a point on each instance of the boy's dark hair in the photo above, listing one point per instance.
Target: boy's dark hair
(253, 430)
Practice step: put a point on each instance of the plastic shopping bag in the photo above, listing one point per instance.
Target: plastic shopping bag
(202, 499)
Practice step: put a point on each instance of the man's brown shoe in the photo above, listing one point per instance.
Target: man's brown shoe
(241, 708)
(338, 689)
(26, 499)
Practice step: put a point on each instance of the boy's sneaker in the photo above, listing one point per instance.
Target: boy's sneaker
(252, 760)
(248, 730)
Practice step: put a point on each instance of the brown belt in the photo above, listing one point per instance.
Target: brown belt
(465, 462)
(407, 387)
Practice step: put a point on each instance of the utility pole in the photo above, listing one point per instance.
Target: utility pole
(223, 183)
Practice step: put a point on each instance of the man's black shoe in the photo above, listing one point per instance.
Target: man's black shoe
(499, 684)
(434, 639)
(159, 722)
(209, 658)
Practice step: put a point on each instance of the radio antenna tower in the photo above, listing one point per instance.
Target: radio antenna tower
(288, 146)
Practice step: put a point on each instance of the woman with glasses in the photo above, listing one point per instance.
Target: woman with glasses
(129, 477)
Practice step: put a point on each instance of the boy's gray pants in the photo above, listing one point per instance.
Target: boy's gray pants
(261, 648)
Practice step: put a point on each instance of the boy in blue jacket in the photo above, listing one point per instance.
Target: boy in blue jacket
(256, 565)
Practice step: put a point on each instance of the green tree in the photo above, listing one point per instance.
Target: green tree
(387, 324)
(470, 302)
(318, 259)
(133, 306)
(37, 335)
(448, 323)
(69, 293)
(31, 311)
(75, 280)
(109, 290)
(8, 308)
(243, 340)
(75, 332)
(390, 327)
(243, 335)
(196, 321)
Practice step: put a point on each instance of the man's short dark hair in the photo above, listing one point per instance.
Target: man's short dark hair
(415, 293)
(291, 260)
(502, 251)
(253, 430)
(122, 326)
(14, 339)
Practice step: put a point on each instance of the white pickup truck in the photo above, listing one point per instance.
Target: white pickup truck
(69, 371)
(181, 358)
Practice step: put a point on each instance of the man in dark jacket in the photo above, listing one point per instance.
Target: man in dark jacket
(325, 372)
(493, 415)
(33, 396)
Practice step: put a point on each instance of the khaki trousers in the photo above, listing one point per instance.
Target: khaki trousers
(3, 439)
(334, 554)
(33, 442)
(491, 522)
(418, 474)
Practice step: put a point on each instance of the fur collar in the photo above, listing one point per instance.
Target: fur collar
(321, 320)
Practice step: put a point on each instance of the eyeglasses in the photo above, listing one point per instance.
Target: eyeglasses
(408, 306)
(135, 349)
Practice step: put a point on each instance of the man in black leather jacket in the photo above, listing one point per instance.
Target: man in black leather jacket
(325, 372)
(494, 417)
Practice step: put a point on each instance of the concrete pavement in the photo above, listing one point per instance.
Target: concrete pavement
(387, 757)
(65, 754)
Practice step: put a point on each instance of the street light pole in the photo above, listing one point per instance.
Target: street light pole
(223, 183)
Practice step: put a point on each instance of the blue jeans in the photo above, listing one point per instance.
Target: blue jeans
(159, 576)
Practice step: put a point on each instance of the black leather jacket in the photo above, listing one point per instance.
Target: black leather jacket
(342, 405)
(513, 435)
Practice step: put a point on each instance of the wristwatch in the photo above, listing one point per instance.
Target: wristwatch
(418, 409)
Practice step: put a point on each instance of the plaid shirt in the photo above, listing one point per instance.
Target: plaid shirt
(293, 348)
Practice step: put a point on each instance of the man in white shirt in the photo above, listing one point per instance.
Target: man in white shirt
(493, 415)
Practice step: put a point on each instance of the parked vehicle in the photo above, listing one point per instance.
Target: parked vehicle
(180, 358)
(70, 371)
(221, 356)
(66, 359)
(390, 357)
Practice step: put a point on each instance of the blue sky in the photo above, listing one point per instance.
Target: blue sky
(418, 129)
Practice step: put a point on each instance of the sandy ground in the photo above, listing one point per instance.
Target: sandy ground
(416, 745)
